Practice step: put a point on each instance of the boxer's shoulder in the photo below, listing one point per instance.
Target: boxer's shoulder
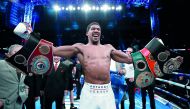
(78, 44)
(108, 46)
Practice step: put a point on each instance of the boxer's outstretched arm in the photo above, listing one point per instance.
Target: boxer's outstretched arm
(120, 56)
(66, 51)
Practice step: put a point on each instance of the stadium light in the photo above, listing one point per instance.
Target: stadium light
(56, 8)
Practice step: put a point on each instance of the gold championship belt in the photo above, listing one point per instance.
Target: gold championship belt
(36, 56)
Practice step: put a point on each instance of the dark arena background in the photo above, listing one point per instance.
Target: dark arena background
(124, 23)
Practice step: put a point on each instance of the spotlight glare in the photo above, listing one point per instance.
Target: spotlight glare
(97, 8)
(113, 7)
(105, 7)
(70, 8)
(93, 8)
(63, 8)
(56, 8)
(86, 7)
(78, 8)
(118, 8)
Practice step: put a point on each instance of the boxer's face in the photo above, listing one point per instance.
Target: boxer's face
(94, 33)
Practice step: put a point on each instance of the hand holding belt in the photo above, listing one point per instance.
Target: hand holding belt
(153, 61)
(163, 56)
(36, 56)
(23, 30)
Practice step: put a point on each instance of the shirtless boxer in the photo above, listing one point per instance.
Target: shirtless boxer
(95, 59)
